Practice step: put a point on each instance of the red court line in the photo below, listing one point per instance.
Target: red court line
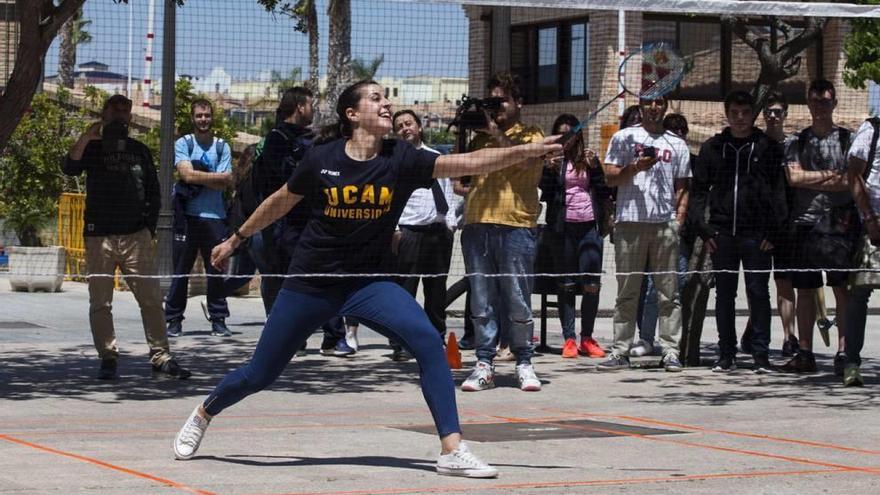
(96, 462)
(752, 453)
(564, 484)
(151, 431)
(806, 443)
(154, 419)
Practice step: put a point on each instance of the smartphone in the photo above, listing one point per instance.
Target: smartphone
(649, 152)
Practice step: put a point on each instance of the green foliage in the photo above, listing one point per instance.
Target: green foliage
(183, 98)
(439, 136)
(30, 168)
(283, 83)
(361, 69)
(862, 49)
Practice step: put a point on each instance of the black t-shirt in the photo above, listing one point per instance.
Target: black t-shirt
(354, 207)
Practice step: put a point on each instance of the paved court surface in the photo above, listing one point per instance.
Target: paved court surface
(359, 425)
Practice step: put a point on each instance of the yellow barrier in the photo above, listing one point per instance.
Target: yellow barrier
(70, 236)
(70, 233)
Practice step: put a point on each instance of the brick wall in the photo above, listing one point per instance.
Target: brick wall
(9, 30)
(705, 117)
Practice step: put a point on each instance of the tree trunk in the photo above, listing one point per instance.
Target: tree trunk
(67, 54)
(339, 52)
(34, 41)
(777, 63)
(314, 78)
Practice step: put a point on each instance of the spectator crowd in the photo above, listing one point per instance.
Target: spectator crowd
(804, 208)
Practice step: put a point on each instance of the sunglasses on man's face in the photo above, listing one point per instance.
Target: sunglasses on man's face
(774, 112)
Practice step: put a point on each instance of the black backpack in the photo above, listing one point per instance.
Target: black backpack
(252, 189)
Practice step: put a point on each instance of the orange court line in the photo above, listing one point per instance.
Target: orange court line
(96, 462)
(806, 443)
(152, 419)
(575, 483)
(799, 460)
(150, 431)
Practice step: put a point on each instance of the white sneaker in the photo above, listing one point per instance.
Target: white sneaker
(641, 348)
(190, 436)
(351, 337)
(482, 378)
(528, 380)
(461, 462)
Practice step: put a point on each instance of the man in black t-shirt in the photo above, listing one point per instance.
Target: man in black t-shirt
(284, 149)
(122, 206)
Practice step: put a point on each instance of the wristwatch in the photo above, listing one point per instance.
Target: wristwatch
(238, 234)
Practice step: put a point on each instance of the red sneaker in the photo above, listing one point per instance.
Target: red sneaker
(589, 347)
(570, 349)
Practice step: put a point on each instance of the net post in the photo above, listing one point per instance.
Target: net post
(166, 133)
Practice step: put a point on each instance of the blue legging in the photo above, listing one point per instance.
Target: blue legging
(384, 306)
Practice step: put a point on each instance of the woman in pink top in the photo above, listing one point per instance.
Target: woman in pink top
(576, 196)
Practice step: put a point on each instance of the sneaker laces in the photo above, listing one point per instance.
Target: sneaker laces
(527, 372)
(464, 456)
(193, 430)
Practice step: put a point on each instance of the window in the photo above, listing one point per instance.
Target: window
(723, 63)
(552, 60)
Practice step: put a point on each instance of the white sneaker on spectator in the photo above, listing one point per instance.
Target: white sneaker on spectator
(482, 378)
(641, 348)
(528, 380)
(187, 441)
(462, 462)
(351, 337)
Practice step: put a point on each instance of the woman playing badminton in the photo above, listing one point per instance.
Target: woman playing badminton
(356, 188)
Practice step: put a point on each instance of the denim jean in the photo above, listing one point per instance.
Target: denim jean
(647, 313)
(383, 305)
(497, 302)
(202, 234)
(579, 252)
(731, 250)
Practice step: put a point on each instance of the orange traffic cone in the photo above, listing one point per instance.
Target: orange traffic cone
(453, 355)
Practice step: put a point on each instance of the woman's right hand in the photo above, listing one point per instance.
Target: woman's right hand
(221, 253)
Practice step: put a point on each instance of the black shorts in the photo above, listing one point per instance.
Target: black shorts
(782, 258)
(811, 279)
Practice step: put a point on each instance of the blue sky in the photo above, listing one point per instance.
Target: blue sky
(239, 35)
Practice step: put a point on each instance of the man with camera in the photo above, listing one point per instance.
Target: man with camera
(651, 169)
(203, 162)
(739, 176)
(122, 207)
(499, 237)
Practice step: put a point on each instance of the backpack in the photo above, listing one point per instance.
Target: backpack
(251, 190)
(844, 136)
(219, 145)
(872, 151)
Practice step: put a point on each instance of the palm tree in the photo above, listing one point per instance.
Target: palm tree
(294, 78)
(73, 34)
(362, 70)
(339, 70)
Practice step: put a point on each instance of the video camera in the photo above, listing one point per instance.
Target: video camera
(470, 115)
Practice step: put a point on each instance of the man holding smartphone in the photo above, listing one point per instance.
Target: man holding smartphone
(651, 169)
(122, 208)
